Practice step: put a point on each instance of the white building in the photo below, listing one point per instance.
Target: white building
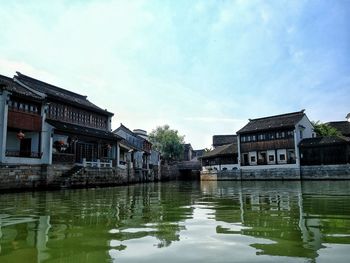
(272, 142)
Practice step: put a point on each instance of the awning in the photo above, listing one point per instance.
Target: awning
(81, 130)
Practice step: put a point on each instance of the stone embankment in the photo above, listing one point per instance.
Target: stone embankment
(319, 172)
(26, 177)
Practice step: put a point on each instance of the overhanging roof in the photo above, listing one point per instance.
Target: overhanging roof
(86, 131)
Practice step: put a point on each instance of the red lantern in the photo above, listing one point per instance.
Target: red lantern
(20, 135)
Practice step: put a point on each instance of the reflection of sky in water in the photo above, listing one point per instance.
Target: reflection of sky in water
(180, 221)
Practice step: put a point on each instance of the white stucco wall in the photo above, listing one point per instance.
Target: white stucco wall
(3, 122)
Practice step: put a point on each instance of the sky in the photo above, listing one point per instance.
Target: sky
(203, 67)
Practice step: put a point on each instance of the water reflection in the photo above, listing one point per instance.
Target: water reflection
(188, 221)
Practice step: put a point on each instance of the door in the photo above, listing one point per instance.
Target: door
(25, 147)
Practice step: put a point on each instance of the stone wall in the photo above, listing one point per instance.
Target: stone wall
(321, 172)
(169, 172)
(326, 172)
(20, 177)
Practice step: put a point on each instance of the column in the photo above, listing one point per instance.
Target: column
(118, 154)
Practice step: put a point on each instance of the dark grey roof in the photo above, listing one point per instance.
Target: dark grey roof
(76, 129)
(16, 89)
(228, 149)
(323, 141)
(219, 140)
(347, 116)
(283, 121)
(342, 126)
(60, 94)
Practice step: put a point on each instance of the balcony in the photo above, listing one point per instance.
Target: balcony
(267, 145)
(23, 154)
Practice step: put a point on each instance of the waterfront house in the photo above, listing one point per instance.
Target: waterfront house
(22, 139)
(139, 152)
(46, 124)
(224, 157)
(272, 142)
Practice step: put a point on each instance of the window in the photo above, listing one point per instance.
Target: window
(282, 157)
(252, 159)
(301, 134)
(271, 158)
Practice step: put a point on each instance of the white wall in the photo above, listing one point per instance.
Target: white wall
(3, 122)
(307, 131)
(13, 143)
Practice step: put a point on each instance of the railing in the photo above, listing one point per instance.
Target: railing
(97, 164)
(23, 154)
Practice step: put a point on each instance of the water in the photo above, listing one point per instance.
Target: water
(180, 222)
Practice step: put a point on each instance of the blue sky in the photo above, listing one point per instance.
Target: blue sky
(203, 67)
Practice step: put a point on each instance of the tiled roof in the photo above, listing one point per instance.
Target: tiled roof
(13, 87)
(342, 126)
(284, 121)
(227, 149)
(323, 141)
(76, 129)
(219, 140)
(59, 93)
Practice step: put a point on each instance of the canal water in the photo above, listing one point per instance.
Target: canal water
(180, 222)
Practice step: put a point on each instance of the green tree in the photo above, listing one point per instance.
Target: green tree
(323, 129)
(168, 142)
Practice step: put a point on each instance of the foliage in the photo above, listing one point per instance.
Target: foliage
(168, 142)
(323, 129)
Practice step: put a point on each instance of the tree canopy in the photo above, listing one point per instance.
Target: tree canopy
(323, 129)
(168, 142)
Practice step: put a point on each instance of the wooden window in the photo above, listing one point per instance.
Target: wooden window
(282, 157)
(252, 159)
(271, 158)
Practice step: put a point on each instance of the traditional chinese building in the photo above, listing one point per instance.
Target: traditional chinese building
(136, 150)
(273, 141)
(46, 124)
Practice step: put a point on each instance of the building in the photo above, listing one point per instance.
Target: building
(325, 150)
(136, 150)
(342, 126)
(188, 152)
(224, 157)
(45, 124)
(272, 142)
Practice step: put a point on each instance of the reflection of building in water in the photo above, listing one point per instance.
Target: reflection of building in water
(27, 233)
(298, 218)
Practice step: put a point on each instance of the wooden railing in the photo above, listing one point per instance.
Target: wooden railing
(24, 120)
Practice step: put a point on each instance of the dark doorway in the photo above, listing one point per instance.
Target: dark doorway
(245, 159)
(25, 147)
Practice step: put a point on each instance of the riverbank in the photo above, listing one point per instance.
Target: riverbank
(46, 177)
(315, 172)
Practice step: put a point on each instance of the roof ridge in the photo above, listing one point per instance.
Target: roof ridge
(20, 75)
(279, 115)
